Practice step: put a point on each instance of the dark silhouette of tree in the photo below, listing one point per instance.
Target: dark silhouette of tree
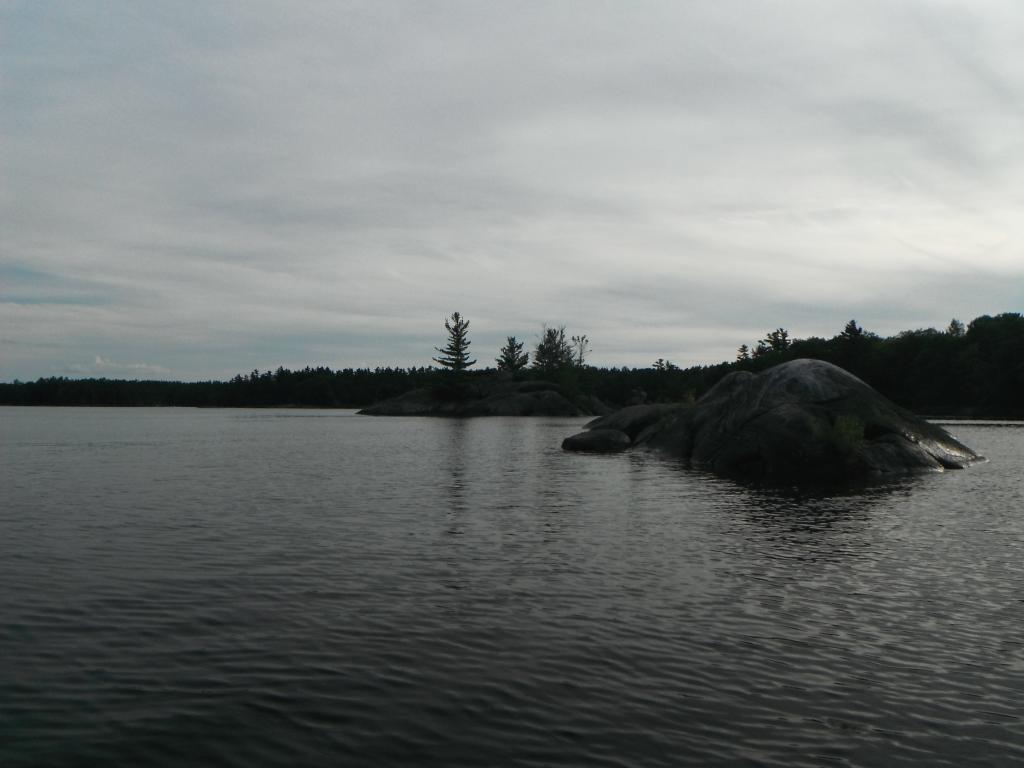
(580, 346)
(853, 351)
(665, 365)
(777, 340)
(852, 332)
(956, 328)
(511, 357)
(773, 344)
(995, 353)
(553, 351)
(455, 355)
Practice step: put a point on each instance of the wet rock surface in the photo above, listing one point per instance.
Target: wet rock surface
(598, 441)
(805, 421)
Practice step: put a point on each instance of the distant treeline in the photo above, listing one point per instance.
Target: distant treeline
(966, 371)
(975, 371)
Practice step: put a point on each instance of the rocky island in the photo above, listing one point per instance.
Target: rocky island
(491, 398)
(804, 421)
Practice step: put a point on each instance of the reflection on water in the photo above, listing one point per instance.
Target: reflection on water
(317, 588)
(797, 516)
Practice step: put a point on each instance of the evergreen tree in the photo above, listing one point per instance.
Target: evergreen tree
(511, 357)
(777, 340)
(743, 353)
(553, 351)
(852, 332)
(956, 328)
(455, 355)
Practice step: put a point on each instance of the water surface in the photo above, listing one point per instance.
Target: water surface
(237, 588)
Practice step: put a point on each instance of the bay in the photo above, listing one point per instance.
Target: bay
(231, 587)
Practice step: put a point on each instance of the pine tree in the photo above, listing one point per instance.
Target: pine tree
(852, 332)
(553, 351)
(743, 353)
(511, 357)
(777, 340)
(455, 355)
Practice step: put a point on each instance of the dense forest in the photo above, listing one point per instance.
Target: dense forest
(975, 370)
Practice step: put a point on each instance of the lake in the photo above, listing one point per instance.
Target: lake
(287, 587)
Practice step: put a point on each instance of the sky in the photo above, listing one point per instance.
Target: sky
(192, 190)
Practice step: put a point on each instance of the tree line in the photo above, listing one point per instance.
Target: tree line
(973, 370)
(967, 370)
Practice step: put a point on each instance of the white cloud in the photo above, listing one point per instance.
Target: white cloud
(256, 183)
(102, 365)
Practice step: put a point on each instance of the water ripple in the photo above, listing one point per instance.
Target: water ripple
(230, 588)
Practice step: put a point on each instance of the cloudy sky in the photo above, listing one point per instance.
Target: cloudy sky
(196, 189)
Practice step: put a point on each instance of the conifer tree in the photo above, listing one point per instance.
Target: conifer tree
(777, 340)
(455, 355)
(852, 332)
(553, 351)
(511, 357)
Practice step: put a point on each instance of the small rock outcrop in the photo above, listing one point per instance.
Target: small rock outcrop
(634, 419)
(500, 398)
(598, 441)
(805, 421)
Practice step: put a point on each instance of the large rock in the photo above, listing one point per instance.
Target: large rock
(805, 421)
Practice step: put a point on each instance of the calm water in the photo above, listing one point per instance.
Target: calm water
(263, 588)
